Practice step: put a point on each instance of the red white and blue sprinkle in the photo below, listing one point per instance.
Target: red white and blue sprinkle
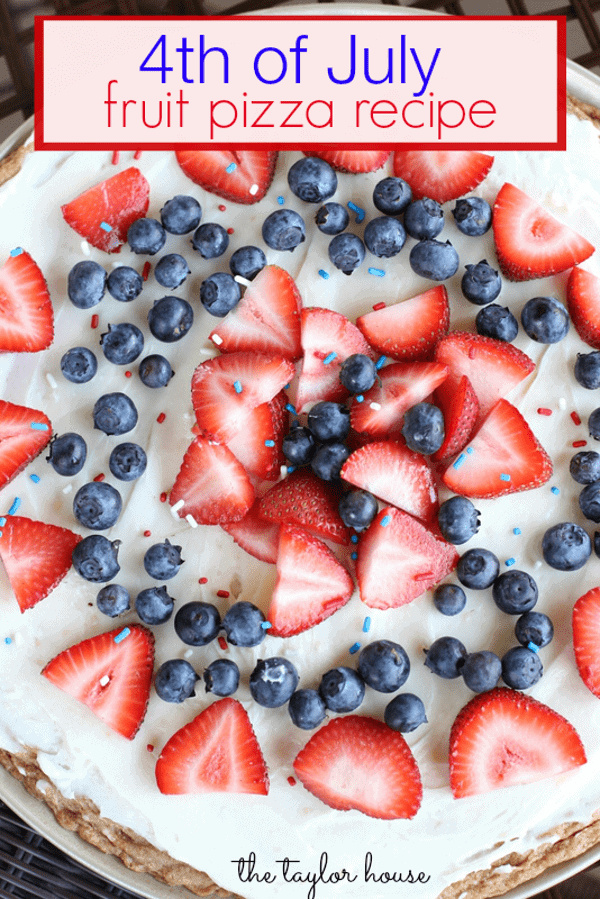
(359, 398)
(269, 443)
(17, 251)
(15, 505)
(366, 625)
(237, 386)
(379, 272)
(516, 531)
(39, 426)
(323, 273)
(360, 213)
(122, 635)
(290, 408)
(504, 476)
(555, 490)
(231, 168)
(354, 648)
(385, 521)
(35, 478)
(510, 562)
(280, 200)
(266, 625)
(105, 226)
(354, 538)
(329, 358)
(458, 462)
(533, 647)
(380, 362)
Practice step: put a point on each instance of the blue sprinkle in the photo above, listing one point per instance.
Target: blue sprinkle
(462, 458)
(280, 200)
(231, 168)
(504, 477)
(0, 533)
(510, 562)
(291, 408)
(15, 506)
(329, 358)
(385, 521)
(555, 491)
(2, 522)
(35, 478)
(354, 556)
(291, 468)
(533, 647)
(516, 531)
(366, 625)
(354, 648)
(39, 425)
(237, 386)
(266, 625)
(8, 640)
(470, 450)
(269, 443)
(380, 362)
(17, 251)
(105, 226)
(360, 213)
(323, 273)
(354, 538)
(122, 635)
(359, 398)
(377, 271)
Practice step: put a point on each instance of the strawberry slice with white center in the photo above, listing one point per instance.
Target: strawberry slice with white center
(352, 161)
(395, 474)
(242, 176)
(36, 556)
(24, 433)
(217, 752)
(26, 313)
(227, 389)
(266, 319)
(212, 485)
(255, 535)
(399, 386)
(503, 457)
(311, 584)
(504, 737)
(258, 447)
(441, 174)
(328, 338)
(399, 559)
(460, 408)
(409, 330)
(583, 303)
(103, 214)
(355, 762)
(531, 243)
(586, 638)
(110, 673)
(304, 499)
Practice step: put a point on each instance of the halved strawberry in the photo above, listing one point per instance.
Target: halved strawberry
(399, 386)
(326, 335)
(399, 559)
(36, 556)
(104, 213)
(111, 673)
(441, 174)
(24, 433)
(26, 313)
(258, 447)
(531, 243)
(212, 483)
(267, 318)
(504, 737)
(586, 638)
(503, 457)
(395, 474)
(355, 762)
(352, 161)
(409, 330)
(242, 176)
(460, 408)
(583, 303)
(217, 752)
(227, 389)
(304, 499)
(255, 535)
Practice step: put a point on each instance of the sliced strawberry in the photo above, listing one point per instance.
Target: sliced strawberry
(398, 559)
(393, 473)
(226, 390)
(217, 752)
(36, 557)
(352, 161)
(26, 313)
(441, 174)
(255, 535)
(114, 204)
(400, 386)
(586, 638)
(24, 433)
(258, 447)
(504, 737)
(583, 303)
(493, 367)
(460, 407)
(503, 457)
(111, 674)
(311, 584)
(328, 338)
(360, 763)
(267, 318)
(409, 330)
(304, 499)
(212, 483)
(531, 243)
(242, 176)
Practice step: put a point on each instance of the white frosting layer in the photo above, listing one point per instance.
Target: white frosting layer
(448, 838)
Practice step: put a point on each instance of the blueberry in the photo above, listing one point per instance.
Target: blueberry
(496, 322)
(594, 424)
(312, 179)
(434, 260)
(329, 421)
(404, 713)
(566, 546)
(445, 657)
(122, 344)
(521, 668)
(585, 467)
(299, 446)
(449, 599)
(210, 240)
(477, 569)
(307, 709)
(383, 665)
(171, 271)
(587, 370)
(284, 229)
(97, 505)
(332, 218)
(534, 628)
(95, 558)
(79, 365)
(154, 605)
(342, 689)
(170, 318)
(86, 284)
(146, 236)
(473, 216)
(124, 283)
(346, 252)
(358, 373)
(357, 509)
(175, 680)
(247, 262)
(243, 624)
(458, 519)
(384, 237)
(197, 623)
(181, 215)
(220, 293)
(481, 283)
(423, 428)
(481, 671)
(222, 677)
(392, 196)
(515, 592)
(162, 561)
(127, 462)
(113, 600)
(328, 460)
(273, 681)
(155, 371)
(67, 454)
(115, 413)
(545, 319)
(589, 501)
(424, 219)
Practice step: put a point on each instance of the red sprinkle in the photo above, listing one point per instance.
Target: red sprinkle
(99, 477)
(150, 747)
(292, 781)
(224, 594)
(147, 533)
(127, 374)
(163, 497)
(222, 207)
(222, 643)
(95, 320)
(161, 417)
(115, 157)
(203, 580)
(230, 230)
(146, 270)
(576, 418)
(378, 306)
(543, 411)
(579, 443)
(137, 154)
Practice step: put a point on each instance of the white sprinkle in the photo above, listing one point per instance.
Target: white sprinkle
(243, 281)
(191, 521)
(283, 471)
(85, 248)
(175, 509)
(375, 406)
(537, 565)
(51, 381)
(68, 488)
(105, 680)
(254, 189)
(562, 403)
(216, 339)
(188, 654)
(208, 351)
